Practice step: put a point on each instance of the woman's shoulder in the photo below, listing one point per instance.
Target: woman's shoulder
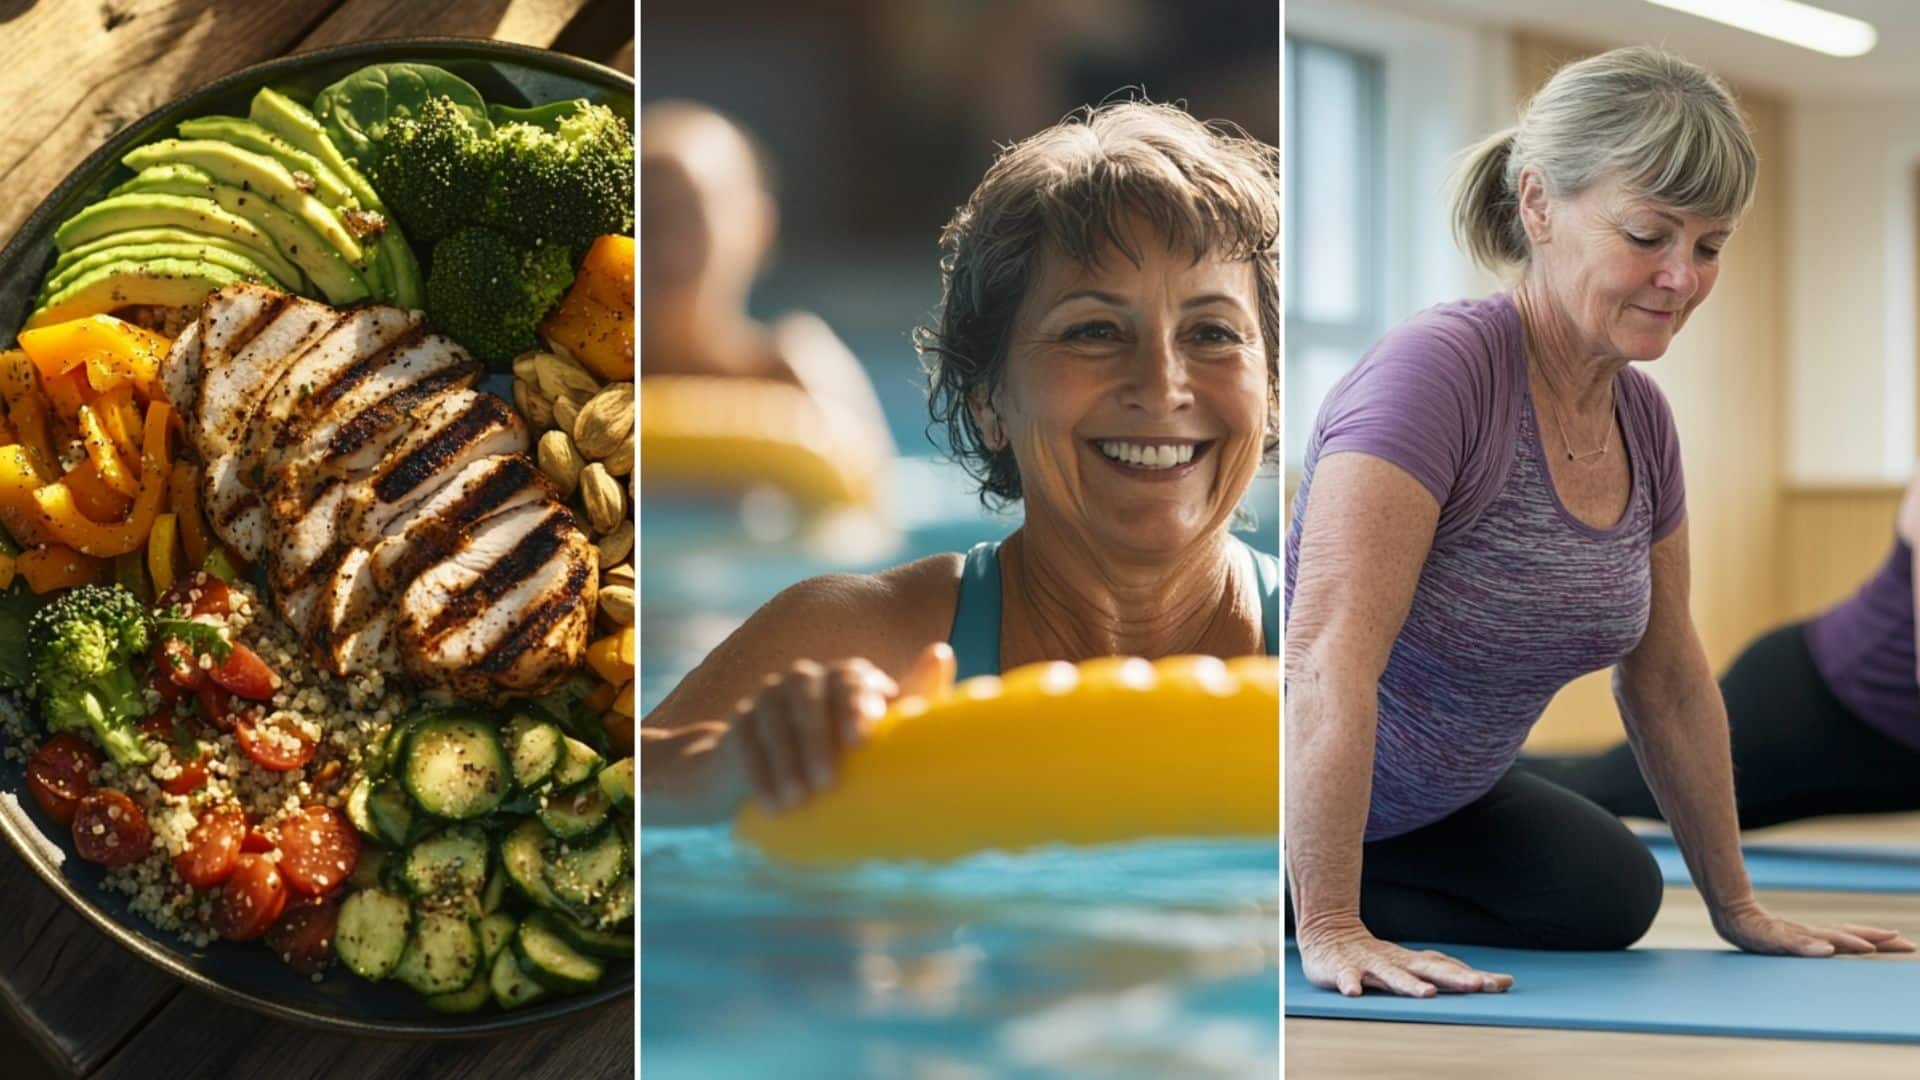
(898, 610)
(1468, 340)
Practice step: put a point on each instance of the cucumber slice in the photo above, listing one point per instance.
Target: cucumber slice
(468, 998)
(454, 767)
(554, 963)
(372, 933)
(590, 940)
(575, 813)
(496, 932)
(357, 808)
(512, 987)
(578, 763)
(617, 908)
(451, 862)
(391, 813)
(522, 857)
(442, 953)
(617, 781)
(534, 746)
(394, 746)
(584, 876)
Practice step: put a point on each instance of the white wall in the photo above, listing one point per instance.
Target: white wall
(1851, 293)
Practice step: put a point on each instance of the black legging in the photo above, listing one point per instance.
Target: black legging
(1797, 751)
(1527, 865)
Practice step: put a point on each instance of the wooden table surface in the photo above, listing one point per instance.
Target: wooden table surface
(72, 72)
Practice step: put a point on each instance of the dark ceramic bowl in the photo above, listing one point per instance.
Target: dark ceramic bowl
(249, 974)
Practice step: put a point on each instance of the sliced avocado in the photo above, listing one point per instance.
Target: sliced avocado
(192, 252)
(328, 187)
(250, 172)
(269, 259)
(146, 210)
(338, 281)
(292, 122)
(161, 282)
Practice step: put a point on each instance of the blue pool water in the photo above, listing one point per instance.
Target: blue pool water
(1153, 959)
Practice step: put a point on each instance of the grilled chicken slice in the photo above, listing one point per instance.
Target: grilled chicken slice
(358, 344)
(229, 319)
(352, 624)
(507, 611)
(484, 488)
(461, 428)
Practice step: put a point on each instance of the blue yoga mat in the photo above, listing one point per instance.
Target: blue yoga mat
(1815, 869)
(1671, 991)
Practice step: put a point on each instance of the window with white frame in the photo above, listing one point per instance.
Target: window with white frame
(1335, 190)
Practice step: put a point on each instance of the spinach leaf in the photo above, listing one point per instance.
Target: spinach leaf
(17, 605)
(546, 116)
(357, 109)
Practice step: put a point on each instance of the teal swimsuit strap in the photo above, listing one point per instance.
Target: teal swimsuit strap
(976, 617)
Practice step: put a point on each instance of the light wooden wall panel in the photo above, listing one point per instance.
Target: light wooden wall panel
(1832, 539)
(1723, 378)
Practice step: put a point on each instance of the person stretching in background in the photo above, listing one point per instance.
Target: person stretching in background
(1825, 713)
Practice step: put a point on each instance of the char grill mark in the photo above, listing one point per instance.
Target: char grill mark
(534, 627)
(528, 555)
(484, 414)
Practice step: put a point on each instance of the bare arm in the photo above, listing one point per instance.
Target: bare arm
(1367, 531)
(1677, 723)
(695, 768)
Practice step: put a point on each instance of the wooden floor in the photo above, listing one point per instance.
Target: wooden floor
(1360, 1050)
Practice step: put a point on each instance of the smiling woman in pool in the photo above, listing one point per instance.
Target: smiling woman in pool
(1106, 354)
(1491, 506)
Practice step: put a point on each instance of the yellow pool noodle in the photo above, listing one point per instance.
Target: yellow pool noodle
(1108, 750)
(707, 433)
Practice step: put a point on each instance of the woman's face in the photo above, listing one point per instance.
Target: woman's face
(1626, 270)
(1135, 396)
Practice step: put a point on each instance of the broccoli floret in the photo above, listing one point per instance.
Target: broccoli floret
(488, 292)
(82, 648)
(434, 170)
(565, 186)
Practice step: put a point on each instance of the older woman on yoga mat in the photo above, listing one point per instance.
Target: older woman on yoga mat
(1106, 353)
(1825, 713)
(1492, 505)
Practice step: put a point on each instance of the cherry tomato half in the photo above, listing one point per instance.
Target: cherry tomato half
(213, 847)
(214, 596)
(318, 849)
(251, 899)
(244, 674)
(58, 775)
(303, 938)
(277, 746)
(110, 829)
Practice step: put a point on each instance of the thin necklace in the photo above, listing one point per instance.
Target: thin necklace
(1553, 402)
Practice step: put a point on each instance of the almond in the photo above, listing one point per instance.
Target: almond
(605, 421)
(614, 549)
(537, 410)
(560, 460)
(606, 502)
(617, 602)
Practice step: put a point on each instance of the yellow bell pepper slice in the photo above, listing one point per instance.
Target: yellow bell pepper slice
(67, 393)
(112, 351)
(19, 478)
(27, 410)
(623, 700)
(72, 528)
(92, 495)
(52, 566)
(161, 555)
(183, 501)
(594, 321)
(105, 455)
(7, 566)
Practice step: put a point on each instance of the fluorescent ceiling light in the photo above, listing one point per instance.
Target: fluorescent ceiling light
(1787, 20)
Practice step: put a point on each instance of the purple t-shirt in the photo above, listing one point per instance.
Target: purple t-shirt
(1863, 648)
(1517, 597)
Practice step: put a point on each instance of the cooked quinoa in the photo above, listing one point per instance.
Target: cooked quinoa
(344, 717)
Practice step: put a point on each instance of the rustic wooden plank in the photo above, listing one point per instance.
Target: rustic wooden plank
(68, 987)
(526, 22)
(195, 1035)
(72, 74)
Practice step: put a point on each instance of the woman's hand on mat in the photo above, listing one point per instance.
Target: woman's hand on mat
(1349, 959)
(790, 736)
(1752, 928)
